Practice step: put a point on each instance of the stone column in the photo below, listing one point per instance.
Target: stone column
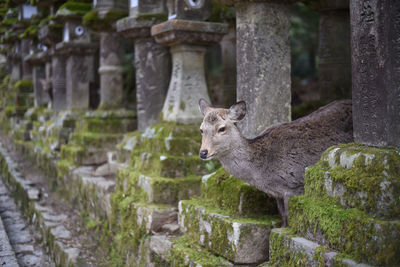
(111, 73)
(15, 68)
(228, 49)
(263, 64)
(152, 61)
(187, 86)
(58, 62)
(187, 40)
(77, 81)
(37, 62)
(41, 97)
(375, 46)
(153, 70)
(26, 67)
(334, 50)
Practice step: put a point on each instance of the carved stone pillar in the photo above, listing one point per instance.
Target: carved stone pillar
(334, 50)
(375, 47)
(187, 40)
(59, 88)
(263, 64)
(152, 60)
(111, 73)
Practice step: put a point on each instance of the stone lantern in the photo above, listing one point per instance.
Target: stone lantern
(102, 19)
(188, 40)
(38, 62)
(152, 61)
(334, 65)
(263, 62)
(77, 50)
(25, 13)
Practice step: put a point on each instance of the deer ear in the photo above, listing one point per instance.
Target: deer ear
(203, 106)
(237, 111)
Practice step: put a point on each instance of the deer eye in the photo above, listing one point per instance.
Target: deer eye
(221, 130)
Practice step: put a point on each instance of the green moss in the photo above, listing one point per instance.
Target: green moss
(92, 19)
(182, 105)
(236, 197)
(221, 12)
(8, 22)
(30, 32)
(185, 252)
(221, 237)
(10, 111)
(105, 125)
(168, 166)
(98, 140)
(281, 253)
(77, 8)
(24, 86)
(369, 184)
(347, 230)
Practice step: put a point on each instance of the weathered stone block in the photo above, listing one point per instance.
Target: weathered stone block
(287, 249)
(350, 231)
(168, 190)
(112, 126)
(98, 140)
(187, 253)
(242, 241)
(157, 189)
(358, 176)
(223, 191)
(175, 146)
(375, 71)
(170, 166)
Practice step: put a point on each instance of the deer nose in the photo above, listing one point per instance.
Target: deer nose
(203, 154)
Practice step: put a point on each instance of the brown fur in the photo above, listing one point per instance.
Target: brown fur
(275, 161)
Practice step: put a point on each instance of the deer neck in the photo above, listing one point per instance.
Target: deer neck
(238, 161)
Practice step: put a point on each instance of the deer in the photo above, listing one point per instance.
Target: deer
(274, 161)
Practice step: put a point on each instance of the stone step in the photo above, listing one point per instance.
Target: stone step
(240, 240)
(32, 198)
(175, 146)
(7, 254)
(98, 140)
(223, 191)
(287, 249)
(165, 165)
(80, 155)
(107, 125)
(160, 190)
(182, 251)
(349, 231)
(360, 177)
(172, 130)
(137, 220)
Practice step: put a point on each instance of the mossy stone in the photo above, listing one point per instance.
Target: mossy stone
(223, 191)
(166, 165)
(93, 20)
(187, 253)
(358, 176)
(241, 240)
(349, 231)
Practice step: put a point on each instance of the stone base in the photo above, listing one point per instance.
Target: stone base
(242, 240)
(160, 190)
(97, 133)
(350, 204)
(287, 249)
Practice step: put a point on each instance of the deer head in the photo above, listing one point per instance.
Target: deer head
(220, 134)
